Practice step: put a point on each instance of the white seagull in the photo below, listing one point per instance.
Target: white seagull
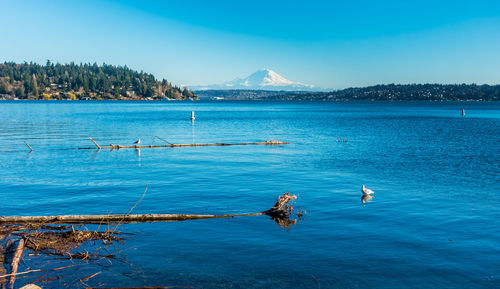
(367, 194)
(366, 191)
(138, 142)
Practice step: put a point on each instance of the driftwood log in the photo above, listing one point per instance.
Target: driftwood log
(15, 262)
(56, 235)
(282, 210)
(283, 207)
(98, 219)
(171, 145)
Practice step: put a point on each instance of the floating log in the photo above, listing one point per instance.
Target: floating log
(111, 146)
(63, 240)
(98, 219)
(283, 207)
(280, 212)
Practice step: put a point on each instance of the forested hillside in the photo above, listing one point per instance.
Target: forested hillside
(432, 92)
(83, 81)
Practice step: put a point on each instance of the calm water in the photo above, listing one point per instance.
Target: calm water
(433, 223)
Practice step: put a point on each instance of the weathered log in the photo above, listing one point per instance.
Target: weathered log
(282, 208)
(15, 262)
(98, 219)
(281, 211)
(271, 142)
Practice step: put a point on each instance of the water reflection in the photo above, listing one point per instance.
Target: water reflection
(366, 198)
(192, 131)
(94, 155)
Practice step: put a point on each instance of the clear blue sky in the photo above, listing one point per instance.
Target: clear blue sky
(332, 44)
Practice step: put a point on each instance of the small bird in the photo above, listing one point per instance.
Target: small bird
(367, 194)
(138, 142)
(366, 191)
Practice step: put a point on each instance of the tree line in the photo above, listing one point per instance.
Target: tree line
(83, 81)
(432, 92)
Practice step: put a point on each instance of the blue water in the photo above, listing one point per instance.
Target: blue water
(433, 223)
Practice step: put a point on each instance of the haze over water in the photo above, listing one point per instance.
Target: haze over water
(433, 222)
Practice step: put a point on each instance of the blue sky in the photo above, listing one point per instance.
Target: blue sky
(331, 44)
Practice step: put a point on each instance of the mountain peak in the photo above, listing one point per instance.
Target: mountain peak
(263, 79)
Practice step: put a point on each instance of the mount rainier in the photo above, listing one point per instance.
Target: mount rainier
(264, 79)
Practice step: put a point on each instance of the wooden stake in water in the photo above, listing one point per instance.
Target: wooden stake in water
(192, 115)
(463, 112)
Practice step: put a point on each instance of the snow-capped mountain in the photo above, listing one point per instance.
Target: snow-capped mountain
(264, 79)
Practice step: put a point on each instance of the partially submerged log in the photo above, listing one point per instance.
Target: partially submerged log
(171, 145)
(281, 210)
(50, 236)
(283, 207)
(99, 219)
(15, 262)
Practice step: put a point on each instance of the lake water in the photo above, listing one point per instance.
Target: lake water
(434, 221)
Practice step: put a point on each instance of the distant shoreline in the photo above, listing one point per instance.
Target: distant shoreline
(387, 92)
